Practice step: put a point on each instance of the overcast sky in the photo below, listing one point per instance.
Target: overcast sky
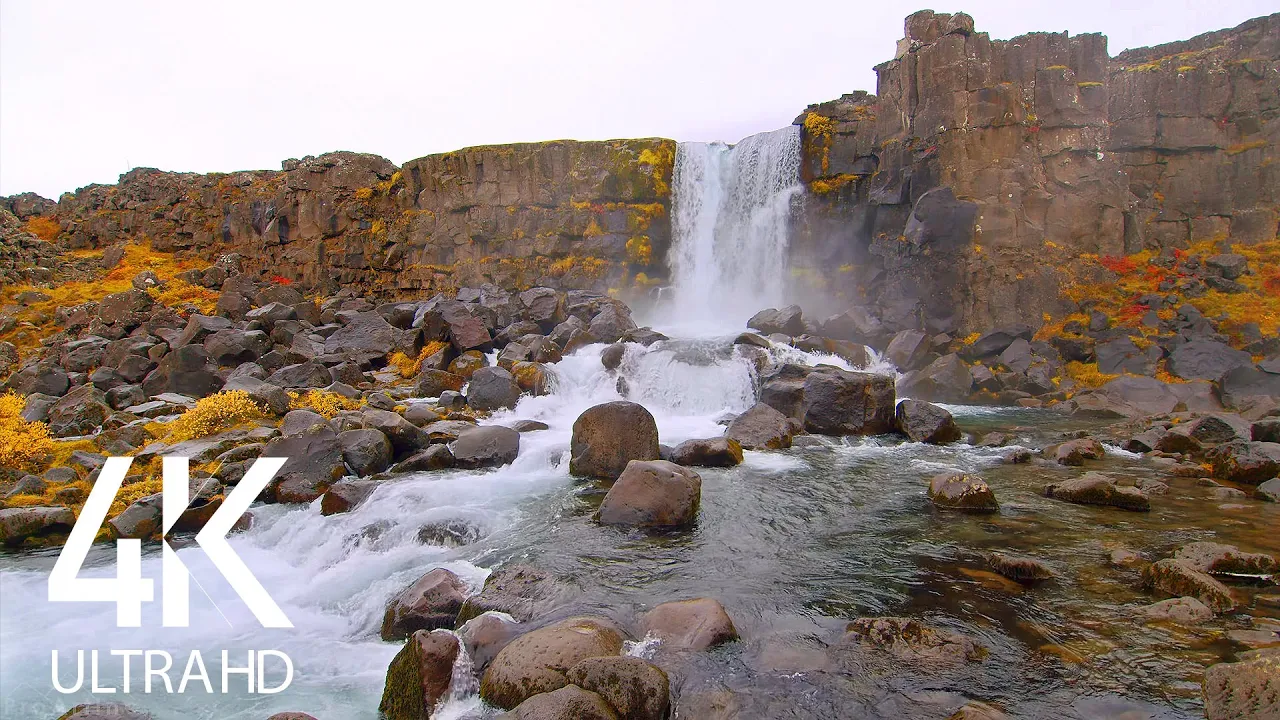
(90, 89)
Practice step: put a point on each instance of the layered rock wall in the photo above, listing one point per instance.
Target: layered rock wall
(963, 194)
(572, 214)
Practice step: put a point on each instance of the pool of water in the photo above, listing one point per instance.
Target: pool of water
(794, 543)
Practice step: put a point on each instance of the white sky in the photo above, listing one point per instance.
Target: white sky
(90, 89)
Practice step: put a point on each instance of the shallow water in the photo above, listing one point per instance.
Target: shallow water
(794, 543)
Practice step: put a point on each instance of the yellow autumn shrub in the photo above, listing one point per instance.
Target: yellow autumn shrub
(213, 414)
(23, 445)
(322, 402)
(410, 366)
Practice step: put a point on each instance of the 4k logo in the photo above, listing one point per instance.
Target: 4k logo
(128, 589)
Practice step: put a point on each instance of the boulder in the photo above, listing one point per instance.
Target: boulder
(652, 494)
(268, 396)
(419, 675)
(788, 321)
(485, 635)
(310, 374)
(485, 446)
(492, 388)
(140, 520)
(946, 379)
(517, 590)
(367, 333)
(1075, 452)
(959, 491)
(431, 382)
(611, 358)
(1248, 463)
(233, 347)
(345, 495)
(838, 402)
(1270, 490)
(635, 688)
(544, 306)
(697, 624)
(430, 603)
(297, 422)
(996, 341)
(567, 703)
(366, 452)
(315, 462)
(19, 523)
(537, 662)
(1240, 384)
(714, 452)
(609, 436)
(1098, 489)
(435, 457)
(185, 371)
(200, 327)
(1205, 360)
(1246, 689)
(908, 350)
(105, 711)
(1122, 355)
(927, 423)
(79, 412)
(1264, 430)
(761, 428)
(406, 438)
(1180, 578)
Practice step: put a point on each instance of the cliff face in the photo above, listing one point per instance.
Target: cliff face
(963, 194)
(571, 214)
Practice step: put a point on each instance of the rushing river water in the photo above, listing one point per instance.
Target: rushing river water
(794, 543)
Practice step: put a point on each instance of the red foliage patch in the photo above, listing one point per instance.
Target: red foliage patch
(1133, 311)
(1271, 283)
(1118, 265)
(281, 280)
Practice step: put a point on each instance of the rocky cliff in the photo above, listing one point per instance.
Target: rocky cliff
(984, 174)
(983, 178)
(565, 213)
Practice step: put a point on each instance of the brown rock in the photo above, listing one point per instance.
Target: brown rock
(962, 492)
(697, 624)
(636, 689)
(761, 428)
(607, 437)
(419, 675)
(1097, 489)
(537, 662)
(1249, 689)
(652, 493)
(567, 703)
(430, 603)
(1180, 578)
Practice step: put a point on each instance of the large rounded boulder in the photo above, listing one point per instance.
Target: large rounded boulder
(419, 675)
(485, 446)
(431, 603)
(652, 494)
(538, 662)
(492, 388)
(696, 624)
(607, 437)
(926, 423)
(761, 428)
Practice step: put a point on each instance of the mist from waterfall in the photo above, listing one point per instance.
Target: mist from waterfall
(731, 208)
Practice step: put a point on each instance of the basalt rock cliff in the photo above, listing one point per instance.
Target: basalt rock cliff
(962, 196)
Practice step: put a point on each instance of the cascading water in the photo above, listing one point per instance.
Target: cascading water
(731, 208)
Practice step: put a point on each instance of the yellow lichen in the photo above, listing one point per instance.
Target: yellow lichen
(179, 293)
(1246, 146)
(825, 185)
(364, 193)
(640, 250)
(45, 228)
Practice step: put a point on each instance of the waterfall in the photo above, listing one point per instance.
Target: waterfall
(730, 220)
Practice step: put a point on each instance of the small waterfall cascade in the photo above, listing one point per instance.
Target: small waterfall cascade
(731, 208)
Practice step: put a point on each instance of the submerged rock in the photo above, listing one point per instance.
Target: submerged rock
(962, 492)
(1245, 462)
(909, 640)
(1097, 489)
(1019, 567)
(538, 661)
(1181, 578)
(1075, 452)
(485, 635)
(1247, 689)
(431, 603)
(1182, 610)
(1216, 558)
(697, 624)
(608, 436)
(105, 711)
(652, 494)
(419, 675)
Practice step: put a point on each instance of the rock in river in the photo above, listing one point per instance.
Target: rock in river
(607, 437)
(1097, 489)
(653, 494)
